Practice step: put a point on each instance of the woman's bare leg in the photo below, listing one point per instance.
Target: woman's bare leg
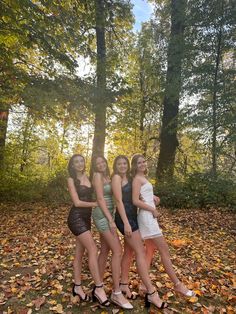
(113, 242)
(77, 266)
(86, 240)
(102, 257)
(135, 244)
(126, 261)
(163, 249)
(150, 250)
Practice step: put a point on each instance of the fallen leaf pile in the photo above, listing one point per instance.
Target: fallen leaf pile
(37, 251)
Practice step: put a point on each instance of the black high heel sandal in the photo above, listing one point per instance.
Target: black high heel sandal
(133, 294)
(164, 305)
(74, 293)
(96, 298)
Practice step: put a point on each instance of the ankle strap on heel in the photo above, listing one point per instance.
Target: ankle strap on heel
(123, 284)
(151, 292)
(99, 286)
(77, 285)
(116, 293)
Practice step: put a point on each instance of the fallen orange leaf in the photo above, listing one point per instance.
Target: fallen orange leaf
(178, 242)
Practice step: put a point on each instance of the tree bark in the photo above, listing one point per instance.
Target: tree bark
(25, 144)
(4, 113)
(101, 102)
(168, 136)
(142, 111)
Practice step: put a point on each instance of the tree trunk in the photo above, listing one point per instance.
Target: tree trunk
(4, 113)
(65, 125)
(142, 112)
(25, 145)
(168, 136)
(214, 98)
(101, 102)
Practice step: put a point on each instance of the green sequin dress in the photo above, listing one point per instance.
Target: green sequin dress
(99, 218)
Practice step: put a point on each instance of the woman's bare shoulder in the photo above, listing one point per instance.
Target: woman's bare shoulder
(97, 176)
(116, 177)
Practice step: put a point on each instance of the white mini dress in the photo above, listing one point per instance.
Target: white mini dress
(148, 225)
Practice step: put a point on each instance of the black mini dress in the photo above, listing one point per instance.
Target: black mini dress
(130, 209)
(79, 219)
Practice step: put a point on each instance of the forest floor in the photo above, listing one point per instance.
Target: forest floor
(37, 253)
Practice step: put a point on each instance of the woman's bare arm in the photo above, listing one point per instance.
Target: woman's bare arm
(136, 188)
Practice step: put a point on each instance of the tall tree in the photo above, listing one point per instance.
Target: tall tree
(113, 22)
(209, 72)
(168, 136)
(101, 101)
(4, 113)
(36, 37)
(215, 87)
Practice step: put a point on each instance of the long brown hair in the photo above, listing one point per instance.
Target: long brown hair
(94, 166)
(114, 165)
(72, 171)
(134, 162)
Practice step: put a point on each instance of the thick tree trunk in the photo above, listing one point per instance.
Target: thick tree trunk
(4, 113)
(168, 137)
(101, 102)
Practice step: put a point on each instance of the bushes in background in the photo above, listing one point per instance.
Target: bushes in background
(197, 191)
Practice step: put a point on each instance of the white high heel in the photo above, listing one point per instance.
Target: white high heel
(126, 306)
(188, 294)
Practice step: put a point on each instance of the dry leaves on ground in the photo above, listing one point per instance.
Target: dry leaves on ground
(37, 253)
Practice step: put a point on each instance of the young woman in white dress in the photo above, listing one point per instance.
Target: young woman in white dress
(143, 198)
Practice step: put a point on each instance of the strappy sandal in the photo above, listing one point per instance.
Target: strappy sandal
(125, 306)
(96, 297)
(164, 305)
(74, 293)
(133, 294)
(188, 294)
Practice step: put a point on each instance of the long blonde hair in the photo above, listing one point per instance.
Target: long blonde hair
(134, 162)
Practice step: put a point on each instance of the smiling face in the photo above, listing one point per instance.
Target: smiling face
(122, 166)
(78, 164)
(101, 165)
(141, 165)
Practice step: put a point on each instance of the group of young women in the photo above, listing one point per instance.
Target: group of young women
(123, 201)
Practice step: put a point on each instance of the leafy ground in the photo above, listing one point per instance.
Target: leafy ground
(37, 253)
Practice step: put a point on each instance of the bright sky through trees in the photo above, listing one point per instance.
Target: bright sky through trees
(142, 11)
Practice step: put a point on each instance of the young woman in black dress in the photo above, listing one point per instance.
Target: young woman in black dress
(79, 222)
(126, 221)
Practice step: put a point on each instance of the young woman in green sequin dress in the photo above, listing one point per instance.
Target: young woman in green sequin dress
(103, 217)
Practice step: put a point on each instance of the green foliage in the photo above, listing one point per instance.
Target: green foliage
(20, 187)
(32, 185)
(41, 45)
(198, 190)
(56, 188)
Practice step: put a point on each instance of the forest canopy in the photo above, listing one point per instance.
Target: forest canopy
(77, 78)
